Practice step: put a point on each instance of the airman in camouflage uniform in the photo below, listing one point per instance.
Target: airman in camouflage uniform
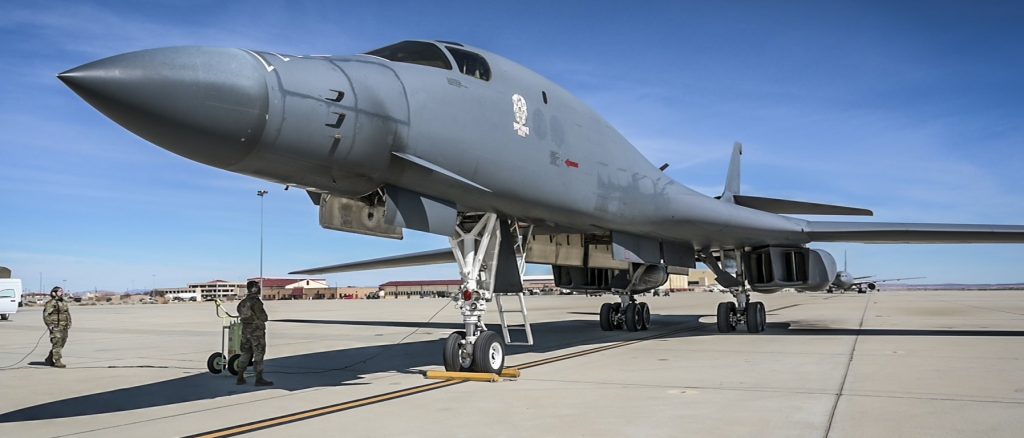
(254, 334)
(57, 318)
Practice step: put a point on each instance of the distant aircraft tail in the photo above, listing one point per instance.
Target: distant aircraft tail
(732, 179)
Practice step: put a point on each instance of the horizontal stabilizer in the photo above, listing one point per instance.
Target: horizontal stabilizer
(433, 257)
(867, 232)
(785, 206)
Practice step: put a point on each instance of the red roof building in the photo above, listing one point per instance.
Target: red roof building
(420, 288)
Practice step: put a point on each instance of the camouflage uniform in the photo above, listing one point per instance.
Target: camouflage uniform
(57, 318)
(254, 337)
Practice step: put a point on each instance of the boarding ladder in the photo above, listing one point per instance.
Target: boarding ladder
(506, 328)
(520, 249)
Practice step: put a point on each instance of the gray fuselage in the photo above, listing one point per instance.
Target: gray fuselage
(572, 170)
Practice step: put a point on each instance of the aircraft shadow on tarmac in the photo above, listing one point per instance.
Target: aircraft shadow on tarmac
(344, 367)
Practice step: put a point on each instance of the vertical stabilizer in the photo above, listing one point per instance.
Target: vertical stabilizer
(732, 179)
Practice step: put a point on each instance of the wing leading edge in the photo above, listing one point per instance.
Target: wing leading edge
(432, 257)
(887, 232)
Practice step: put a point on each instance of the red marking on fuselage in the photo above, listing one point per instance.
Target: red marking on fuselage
(573, 164)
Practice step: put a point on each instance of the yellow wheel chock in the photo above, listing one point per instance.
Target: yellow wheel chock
(477, 377)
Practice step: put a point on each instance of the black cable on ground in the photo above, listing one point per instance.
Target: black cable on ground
(369, 358)
(11, 366)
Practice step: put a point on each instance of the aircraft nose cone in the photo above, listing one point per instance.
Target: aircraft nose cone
(206, 104)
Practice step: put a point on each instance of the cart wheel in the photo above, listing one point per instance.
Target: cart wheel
(215, 363)
(232, 362)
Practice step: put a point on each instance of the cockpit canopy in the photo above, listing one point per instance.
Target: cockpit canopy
(430, 55)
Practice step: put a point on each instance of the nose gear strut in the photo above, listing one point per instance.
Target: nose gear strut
(491, 255)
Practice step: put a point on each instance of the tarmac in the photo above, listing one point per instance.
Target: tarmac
(889, 363)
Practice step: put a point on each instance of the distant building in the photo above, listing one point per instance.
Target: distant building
(695, 279)
(34, 298)
(208, 291)
(420, 288)
(539, 283)
(294, 288)
(310, 289)
(346, 293)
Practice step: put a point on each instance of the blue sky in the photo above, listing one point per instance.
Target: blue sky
(913, 110)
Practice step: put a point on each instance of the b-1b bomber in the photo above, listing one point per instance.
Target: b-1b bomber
(444, 138)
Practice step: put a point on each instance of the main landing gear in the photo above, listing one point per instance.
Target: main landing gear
(743, 311)
(627, 314)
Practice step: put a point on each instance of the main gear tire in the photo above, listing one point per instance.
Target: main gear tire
(607, 317)
(632, 317)
(755, 317)
(645, 316)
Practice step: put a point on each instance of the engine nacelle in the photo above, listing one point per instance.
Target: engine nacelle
(643, 278)
(771, 269)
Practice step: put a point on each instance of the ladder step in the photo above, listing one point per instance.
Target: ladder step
(506, 327)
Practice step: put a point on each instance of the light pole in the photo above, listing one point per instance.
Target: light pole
(261, 194)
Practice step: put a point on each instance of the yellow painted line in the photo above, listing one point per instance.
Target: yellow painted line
(305, 415)
(456, 375)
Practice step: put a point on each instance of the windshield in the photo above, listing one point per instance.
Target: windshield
(470, 63)
(414, 52)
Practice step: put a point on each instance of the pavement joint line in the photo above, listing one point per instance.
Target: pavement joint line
(949, 399)
(702, 388)
(330, 409)
(846, 372)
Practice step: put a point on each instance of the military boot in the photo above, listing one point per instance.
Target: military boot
(49, 360)
(260, 381)
(59, 364)
(240, 380)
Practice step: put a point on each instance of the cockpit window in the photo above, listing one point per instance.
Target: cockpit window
(471, 63)
(414, 52)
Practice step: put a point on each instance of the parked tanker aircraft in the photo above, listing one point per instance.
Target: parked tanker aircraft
(845, 281)
(444, 138)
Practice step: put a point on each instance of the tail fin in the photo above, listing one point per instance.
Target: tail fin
(732, 179)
